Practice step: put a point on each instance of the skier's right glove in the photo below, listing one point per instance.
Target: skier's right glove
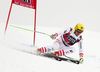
(81, 59)
(53, 36)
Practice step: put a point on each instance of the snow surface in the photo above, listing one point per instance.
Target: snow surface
(12, 60)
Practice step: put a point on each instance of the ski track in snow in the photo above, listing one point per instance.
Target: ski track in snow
(16, 61)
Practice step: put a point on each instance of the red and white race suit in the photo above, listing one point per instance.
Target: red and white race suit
(65, 39)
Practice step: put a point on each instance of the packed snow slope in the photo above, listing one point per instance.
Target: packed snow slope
(12, 60)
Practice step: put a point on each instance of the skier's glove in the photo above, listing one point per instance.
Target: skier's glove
(81, 59)
(53, 36)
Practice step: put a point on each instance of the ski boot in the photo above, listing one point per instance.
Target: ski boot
(57, 54)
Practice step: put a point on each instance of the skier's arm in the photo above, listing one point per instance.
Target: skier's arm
(81, 50)
(53, 36)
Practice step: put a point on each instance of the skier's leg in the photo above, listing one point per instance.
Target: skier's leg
(69, 50)
(64, 51)
(56, 45)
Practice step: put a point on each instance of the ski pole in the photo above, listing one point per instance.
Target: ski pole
(29, 30)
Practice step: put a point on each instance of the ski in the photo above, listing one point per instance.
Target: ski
(58, 58)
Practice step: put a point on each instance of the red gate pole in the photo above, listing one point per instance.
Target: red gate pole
(35, 22)
(8, 17)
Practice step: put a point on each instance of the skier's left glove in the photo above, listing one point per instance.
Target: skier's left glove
(81, 59)
(53, 36)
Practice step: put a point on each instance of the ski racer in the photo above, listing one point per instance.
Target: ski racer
(64, 40)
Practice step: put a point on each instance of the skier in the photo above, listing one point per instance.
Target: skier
(64, 40)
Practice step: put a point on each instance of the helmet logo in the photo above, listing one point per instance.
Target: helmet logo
(81, 27)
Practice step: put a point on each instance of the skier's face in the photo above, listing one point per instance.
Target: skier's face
(77, 33)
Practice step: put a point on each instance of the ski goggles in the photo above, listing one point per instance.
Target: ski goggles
(79, 31)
